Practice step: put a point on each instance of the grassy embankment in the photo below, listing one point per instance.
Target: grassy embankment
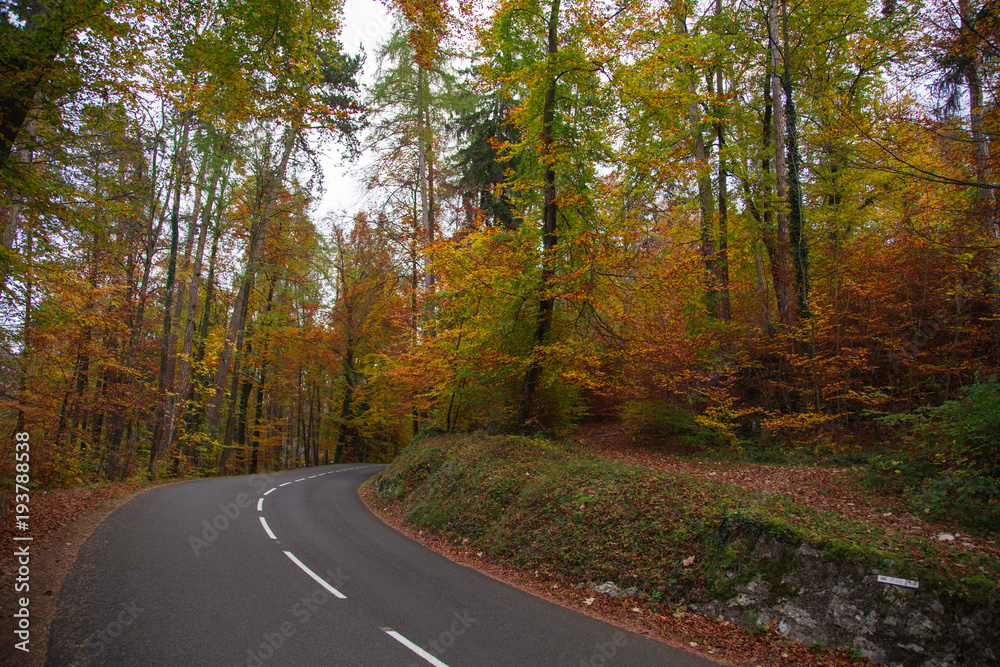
(556, 508)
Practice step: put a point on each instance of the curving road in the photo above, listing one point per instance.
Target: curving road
(292, 569)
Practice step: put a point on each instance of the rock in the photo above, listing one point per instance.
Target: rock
(608, 588)
(806, 551)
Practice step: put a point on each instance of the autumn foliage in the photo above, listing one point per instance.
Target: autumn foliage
(763, 223)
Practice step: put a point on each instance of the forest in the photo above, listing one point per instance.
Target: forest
(746, 225)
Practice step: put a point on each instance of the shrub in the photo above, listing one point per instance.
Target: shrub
(659, 419)
(950, 463)
(968, 429)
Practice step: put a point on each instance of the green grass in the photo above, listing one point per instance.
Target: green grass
(557, 508)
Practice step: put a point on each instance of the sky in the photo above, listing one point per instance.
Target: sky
(367, 24)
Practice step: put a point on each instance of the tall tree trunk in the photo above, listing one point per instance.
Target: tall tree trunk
(833, 202)
(765, 218)
(22, 376)
(165, 387)
(238, 319)
(227, 438)
(414, 323)
(263, 373)
(246, 387)
(343, 430)
(10, 216)
(705, 208)
(82, 373)
(311, 442)
(196, 419)
(347, 361)
(783, 278)
(136, 315)
(550, 229)
(796, 222)
(723, 309)
(423, 167)
(254, 460)
(184, 373)
(986, 199)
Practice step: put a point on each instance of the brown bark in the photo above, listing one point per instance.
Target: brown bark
(782, 256)
(986, 199)
(550, 231)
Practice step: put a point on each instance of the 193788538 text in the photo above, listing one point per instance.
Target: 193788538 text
(22, 580)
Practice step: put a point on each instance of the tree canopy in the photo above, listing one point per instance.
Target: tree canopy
(750, 221)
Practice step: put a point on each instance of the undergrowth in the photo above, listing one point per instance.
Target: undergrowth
(943, 460)
(947, 462)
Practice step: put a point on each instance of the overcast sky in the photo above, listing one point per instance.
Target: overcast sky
(366, 25)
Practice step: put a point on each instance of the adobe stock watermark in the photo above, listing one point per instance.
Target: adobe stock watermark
(375, 29)
(304, 610)
(210, 529)
(99, 641)
(439, 645)
(605, 651)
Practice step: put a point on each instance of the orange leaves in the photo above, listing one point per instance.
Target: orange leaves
(429, 21)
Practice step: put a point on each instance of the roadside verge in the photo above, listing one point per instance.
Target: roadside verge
(670, 544)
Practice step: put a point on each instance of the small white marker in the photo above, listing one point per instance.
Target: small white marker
(413, 647)
(301, 479)
(270, 490)
(285, 484)
(315, 576)
(260, 504)
(896, 581)
(311, 476)
(267, 529)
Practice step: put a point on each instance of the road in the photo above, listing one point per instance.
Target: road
(292, 569)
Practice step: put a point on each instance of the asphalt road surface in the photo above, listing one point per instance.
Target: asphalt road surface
(292, 569)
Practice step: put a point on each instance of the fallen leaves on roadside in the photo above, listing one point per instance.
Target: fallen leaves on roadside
(822, 488)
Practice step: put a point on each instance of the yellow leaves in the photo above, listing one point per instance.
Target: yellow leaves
(800, 421)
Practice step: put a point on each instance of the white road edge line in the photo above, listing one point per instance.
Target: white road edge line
(260, 504)
(285, 484)
(301, 479)
(267, 528)
(315, 576)
(413, 647)
(270, 490)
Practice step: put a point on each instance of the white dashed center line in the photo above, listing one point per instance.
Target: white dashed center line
(267, 529)
(316, 577)
(413, 647)
(263, 522)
